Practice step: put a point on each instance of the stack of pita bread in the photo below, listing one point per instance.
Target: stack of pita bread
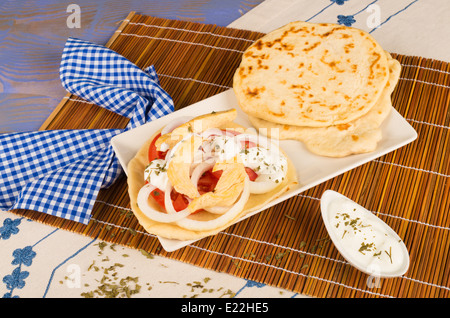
(326, 85)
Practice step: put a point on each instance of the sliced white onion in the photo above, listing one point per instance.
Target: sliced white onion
(259, 187)
(200, 169)
(168, 204)
(155, 215)
(196, 225)
(218, 209)
(175, 123)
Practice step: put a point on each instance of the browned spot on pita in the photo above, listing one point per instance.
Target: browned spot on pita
(259, 45)
(276, 114)
(343, 126)
(331, 31)
(377, 58)
(255, 91)
(312, 47)
(348, 47)
(333, 65)
(333, 107)
(260, 65)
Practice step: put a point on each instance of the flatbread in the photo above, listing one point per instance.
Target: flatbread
(172, 231)
(313, 75)
(358, 136)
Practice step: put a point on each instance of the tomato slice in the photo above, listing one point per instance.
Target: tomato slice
(208, 181)
(217, 174)
(158, 196)
(179, 201)
(252, 175)
(153, 153)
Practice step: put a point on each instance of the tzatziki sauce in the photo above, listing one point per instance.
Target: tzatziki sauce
(362, 238)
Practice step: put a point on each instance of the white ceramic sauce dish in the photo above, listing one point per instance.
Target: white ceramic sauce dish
(363, 239)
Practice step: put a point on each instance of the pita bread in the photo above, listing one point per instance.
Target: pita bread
(358, 136)
(172, 231)
(313, 75)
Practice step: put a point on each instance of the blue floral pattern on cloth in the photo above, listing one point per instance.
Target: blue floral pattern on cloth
(16, 280)
(250, 283)
(9, 228)
(339, 2)
(346, 20)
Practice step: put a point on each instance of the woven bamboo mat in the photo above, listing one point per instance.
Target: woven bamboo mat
(287, 245)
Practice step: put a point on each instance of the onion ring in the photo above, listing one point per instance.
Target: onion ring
(155, 215)
(259, 187)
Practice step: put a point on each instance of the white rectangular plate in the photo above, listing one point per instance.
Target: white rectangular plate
(311, 169)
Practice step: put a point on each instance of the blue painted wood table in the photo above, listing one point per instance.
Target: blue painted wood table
(33, 34)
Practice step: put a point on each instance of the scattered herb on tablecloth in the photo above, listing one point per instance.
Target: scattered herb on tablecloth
(110, 285)
(146, 254)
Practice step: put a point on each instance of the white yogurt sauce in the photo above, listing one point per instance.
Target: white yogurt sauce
(268, 164)
(363, 239)
(156, 173)
(224, 147)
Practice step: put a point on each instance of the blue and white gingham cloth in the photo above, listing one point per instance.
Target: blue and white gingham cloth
(60, 172)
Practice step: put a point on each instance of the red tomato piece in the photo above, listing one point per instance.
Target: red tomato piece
(252, 175)
(207, 182)
(217, 174)
(153, 153)
(179, 201)
(158, 196)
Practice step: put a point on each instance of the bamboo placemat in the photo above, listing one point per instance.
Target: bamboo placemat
(287, 245)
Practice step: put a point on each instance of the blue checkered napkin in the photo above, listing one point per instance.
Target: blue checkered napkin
(109, 80)
(60, 172)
